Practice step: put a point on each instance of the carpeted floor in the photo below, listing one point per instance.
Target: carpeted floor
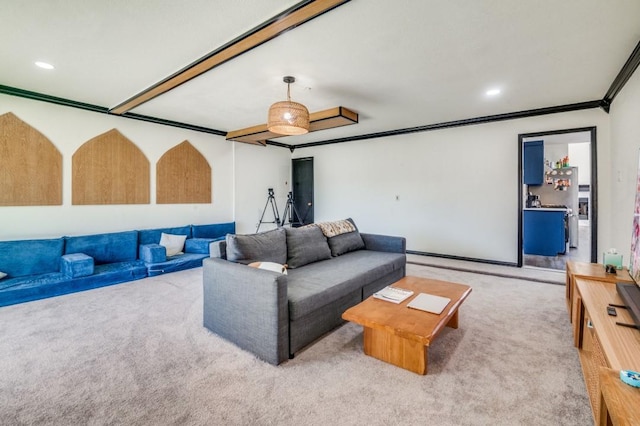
(137, 354)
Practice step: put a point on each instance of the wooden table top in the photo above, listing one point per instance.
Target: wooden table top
(596, 271)
(406, 322)
(621, 345)
(621, 399)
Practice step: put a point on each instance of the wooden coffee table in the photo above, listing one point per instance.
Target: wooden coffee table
(400, 335)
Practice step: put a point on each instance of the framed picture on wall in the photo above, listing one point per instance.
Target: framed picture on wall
(634, 261)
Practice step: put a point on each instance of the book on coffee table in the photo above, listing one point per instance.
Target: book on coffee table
(393, 294)
(429, 303)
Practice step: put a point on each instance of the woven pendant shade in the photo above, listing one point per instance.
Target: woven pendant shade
(288, 117)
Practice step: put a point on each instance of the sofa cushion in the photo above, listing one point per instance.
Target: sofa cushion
(76, 265)
(216, 230)
(306, 245)
(342, 235)
(173, 243)
(268, 246)
(176, 263)
(198, 245)
(105, 248)
(30, 257)
(324, 282)
(152, 236)
(152, 253)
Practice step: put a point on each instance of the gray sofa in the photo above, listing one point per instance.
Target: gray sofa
(274, 315)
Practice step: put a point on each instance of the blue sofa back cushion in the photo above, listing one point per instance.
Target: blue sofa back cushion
(30, 257)
(216, 230)
(105, 248)
(152, 236)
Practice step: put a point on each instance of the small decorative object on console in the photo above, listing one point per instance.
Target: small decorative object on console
(393, 294)
(630, 377)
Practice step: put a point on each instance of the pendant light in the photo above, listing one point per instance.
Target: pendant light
(287, 117)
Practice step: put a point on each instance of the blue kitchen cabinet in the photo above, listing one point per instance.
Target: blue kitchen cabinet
(533, 163)
(544, 232)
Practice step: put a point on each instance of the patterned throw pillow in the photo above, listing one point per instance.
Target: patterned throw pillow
(342, 236)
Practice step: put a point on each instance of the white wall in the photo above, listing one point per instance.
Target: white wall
(457, 188)
(625, 136)
(257, 169)
(68, 128)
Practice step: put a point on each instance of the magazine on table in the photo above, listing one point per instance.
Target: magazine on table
(392, 294)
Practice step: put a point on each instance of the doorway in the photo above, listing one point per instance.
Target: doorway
(302, 178)
(580, 220)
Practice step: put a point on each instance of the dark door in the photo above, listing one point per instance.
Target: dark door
(302, 171)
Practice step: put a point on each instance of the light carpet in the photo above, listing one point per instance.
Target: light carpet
(137, 354)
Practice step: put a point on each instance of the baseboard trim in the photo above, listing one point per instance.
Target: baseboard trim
(476, 271)
(468, 259)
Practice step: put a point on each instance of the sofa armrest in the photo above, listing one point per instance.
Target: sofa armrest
(197, 245)
(247, 306)
(386, 243)
(218, 249)
(152, 253)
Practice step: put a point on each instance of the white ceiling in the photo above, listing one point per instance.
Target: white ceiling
(398, 64)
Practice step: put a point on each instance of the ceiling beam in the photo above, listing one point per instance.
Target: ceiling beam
(623, 76)
(289, 19)
(321, 120)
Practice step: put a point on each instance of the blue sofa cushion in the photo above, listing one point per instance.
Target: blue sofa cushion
(30, 257)
(152, 236)
(216, 230)
(34, 287)
(76, 265)
(153, 253)
(105, 248)
(198, 245)
(176, 263)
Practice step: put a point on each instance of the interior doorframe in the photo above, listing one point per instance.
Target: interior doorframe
(593, 187)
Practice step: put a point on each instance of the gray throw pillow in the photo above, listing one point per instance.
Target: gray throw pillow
(344, 243)
(306, 245)
(269, 246)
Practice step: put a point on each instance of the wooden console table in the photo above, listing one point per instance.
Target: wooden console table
(593, 272)
(620, 402)
(603, 343)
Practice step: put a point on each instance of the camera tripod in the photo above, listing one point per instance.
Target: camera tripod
(290, 209)
(274, 207)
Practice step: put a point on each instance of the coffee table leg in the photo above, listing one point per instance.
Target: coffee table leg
(404, 353)
(453, 322)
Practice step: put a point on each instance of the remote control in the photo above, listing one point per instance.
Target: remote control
(611, 311)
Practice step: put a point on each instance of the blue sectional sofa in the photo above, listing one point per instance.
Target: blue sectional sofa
(196, 246)
(37, 269)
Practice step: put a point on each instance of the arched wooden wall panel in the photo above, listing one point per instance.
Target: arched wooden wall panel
(110, 169)
(183, 176)
(31, 170)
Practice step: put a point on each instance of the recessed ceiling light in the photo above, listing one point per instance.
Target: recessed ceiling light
(493, 92)
(44, 65)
